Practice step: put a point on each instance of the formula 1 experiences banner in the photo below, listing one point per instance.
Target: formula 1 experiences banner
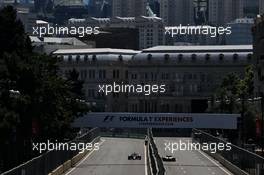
(157, 120)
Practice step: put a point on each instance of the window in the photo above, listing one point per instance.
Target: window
(165, 76)
(149, 57)
(91, 74)
(134, 108)
(86, 58)
(249, 57)
(235, 57)
(77, 58)
(194, 56)
(83, 74)
(134, 76)
(207, 57)
(221, 56)
(116, 73)
(102, 74)
(115, 95)
(91, 93)
(180, 57)
(166, 57)
(146, 76)
(70, 58)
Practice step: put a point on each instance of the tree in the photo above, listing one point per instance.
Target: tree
(233, 95)
(35, 102)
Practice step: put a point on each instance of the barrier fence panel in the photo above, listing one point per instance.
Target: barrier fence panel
(47, 162)
(245, 160)
(156, 162)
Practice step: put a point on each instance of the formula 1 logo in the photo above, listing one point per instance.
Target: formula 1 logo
(109, 118)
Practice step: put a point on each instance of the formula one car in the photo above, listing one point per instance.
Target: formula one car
(134, 156)
(169, 159)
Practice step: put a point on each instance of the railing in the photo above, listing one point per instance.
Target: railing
(155, 164)
(244, 160)
(47, 162)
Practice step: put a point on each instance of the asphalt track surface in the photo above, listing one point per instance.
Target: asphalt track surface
(189, 162)
(112, 159)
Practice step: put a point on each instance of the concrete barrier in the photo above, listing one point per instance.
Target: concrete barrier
(58, 171)
(72, 162)
(67, 166)
(231, 167)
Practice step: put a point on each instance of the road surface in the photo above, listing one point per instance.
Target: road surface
(189, 162)
(112, 159)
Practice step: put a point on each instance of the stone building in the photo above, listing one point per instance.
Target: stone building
(190, 74)
(151, 29)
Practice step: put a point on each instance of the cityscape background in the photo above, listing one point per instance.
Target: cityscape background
(43, 94)
(149, 17)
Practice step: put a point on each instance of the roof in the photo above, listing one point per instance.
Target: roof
(70, 41)
(211, 48)
(56, 40)
(201, 57)
(41, 22)
(95, 51)
(243, 21)
(116, 19)
(34, 39)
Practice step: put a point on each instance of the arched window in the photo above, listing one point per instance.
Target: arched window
(180, 57)
(85, 58)
(77, 58)
(149, 57)
(120, 58)
(207, 57)
(70, 58)
(249, 56)
(221, 56)
(94, 57)
(60, 58)
(194, 56)
(166, 57)
(235, 57)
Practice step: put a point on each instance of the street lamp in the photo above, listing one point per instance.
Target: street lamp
(262, 123)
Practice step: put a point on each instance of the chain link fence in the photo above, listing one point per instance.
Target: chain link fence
(249, 162)
(47, 162)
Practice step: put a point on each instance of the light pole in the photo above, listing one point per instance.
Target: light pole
(262, 123)
(243, 121)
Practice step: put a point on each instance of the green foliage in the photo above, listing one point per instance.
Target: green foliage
(232, 93)
(44, 97)
(12, 34)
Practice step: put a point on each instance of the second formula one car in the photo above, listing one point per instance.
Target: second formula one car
(134, 156)
(169, 159)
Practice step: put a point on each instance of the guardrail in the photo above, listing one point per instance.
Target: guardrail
(155, 164)
(238, 160)
(53, 160)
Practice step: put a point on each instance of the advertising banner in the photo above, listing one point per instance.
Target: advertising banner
(157, 120)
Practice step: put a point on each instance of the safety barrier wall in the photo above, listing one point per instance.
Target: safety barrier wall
(155, 163)
(237, 160)
(54, 160)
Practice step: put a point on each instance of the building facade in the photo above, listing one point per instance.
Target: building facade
(151, 29)
(241, 32)
(129, 8)
(261, 6)
(176, 12)
(190, 74)
(221, 12)
(251, 8)
(258, 44)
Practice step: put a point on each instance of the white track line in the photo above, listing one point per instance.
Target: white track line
(214, 162)
(83, 159)
(145, 150)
